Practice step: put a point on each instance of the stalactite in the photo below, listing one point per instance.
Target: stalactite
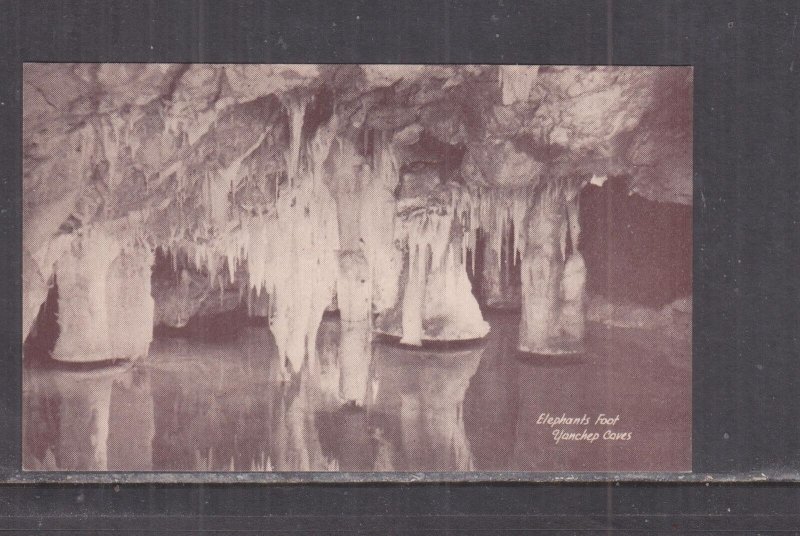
(499, 215)
(297, 110)
(291, 251)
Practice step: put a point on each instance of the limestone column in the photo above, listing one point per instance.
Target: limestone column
(130, 303)
(105, 309)
(573, 286)
(553, 281)
(542, 271)
(81, 273)
(353, 286)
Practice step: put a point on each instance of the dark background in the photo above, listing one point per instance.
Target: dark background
(746, 254)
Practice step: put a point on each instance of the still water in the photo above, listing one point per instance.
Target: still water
(364, 405)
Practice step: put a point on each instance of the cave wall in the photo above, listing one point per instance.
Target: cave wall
(636, 250)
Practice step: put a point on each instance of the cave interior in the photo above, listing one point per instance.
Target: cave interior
(192, 199)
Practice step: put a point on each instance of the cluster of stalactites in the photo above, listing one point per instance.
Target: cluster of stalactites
(290, 250)
(501, 217)
(493, 212)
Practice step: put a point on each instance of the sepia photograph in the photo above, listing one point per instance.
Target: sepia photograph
(381, 268)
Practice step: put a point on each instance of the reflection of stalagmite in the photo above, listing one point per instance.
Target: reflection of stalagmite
(131, 422)
(355, 355)
(83, 425)
(425, 392)
(344, 354)
(553, 311)
(296, 445)
(82, 298)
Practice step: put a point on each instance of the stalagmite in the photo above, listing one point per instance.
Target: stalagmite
(437, 301)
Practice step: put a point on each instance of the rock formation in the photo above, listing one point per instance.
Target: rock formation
(362, 188)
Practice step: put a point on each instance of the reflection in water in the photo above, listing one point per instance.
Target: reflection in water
(418, 399)
(358, 405)
(88, 420)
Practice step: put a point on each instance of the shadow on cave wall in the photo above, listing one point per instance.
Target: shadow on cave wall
(635, 250)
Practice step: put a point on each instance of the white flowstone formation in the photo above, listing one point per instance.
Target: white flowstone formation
(438, 301)
(105, 308)
(81, 274)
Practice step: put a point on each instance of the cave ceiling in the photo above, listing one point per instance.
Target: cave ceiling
(127, 141)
